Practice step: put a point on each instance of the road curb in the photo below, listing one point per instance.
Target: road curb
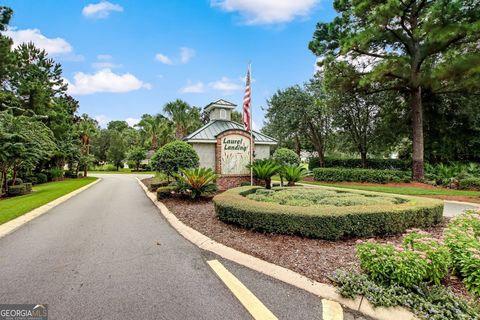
(12, 225)
(477, 205)
(321, 290)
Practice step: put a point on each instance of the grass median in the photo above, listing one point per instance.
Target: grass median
(409, 191)
(11, 208)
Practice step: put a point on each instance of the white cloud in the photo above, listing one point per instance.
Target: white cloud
(104, 61)
(105, 81)
(197, 87)
(225, 85)
(186, 54)
(102, 120)
(163, 58)
(53, 46)
(100, 10)
(132, 121)
(104, 57)
(267, 11)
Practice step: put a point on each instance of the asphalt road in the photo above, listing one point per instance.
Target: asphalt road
(107, 253)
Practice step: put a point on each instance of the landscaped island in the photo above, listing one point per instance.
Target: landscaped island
(326, 213)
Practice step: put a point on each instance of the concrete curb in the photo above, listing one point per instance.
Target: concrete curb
(16, 223)
(477, 205)
(321, 290)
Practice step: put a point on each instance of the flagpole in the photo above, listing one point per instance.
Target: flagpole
(251, 128)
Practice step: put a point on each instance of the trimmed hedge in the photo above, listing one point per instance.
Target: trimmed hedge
(469, 183)
(157, 184)
(165, 192)
(17, 190)
(383, 164)
(360, 175)
(327, 222)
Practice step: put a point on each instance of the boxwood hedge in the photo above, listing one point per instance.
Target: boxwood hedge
(360, 175)
(327, 222)
(383, 164)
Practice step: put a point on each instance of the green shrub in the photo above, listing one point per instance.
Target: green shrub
(28, 187)
(382, 164)
(12, 182)
(71, 174)
(197, 182)
(470, 183)
(17, 190)
(244, 183)
(327, 222)
(55, 173)
(359, 175)
(285, 156)
(318, 197)
(420, 259)
(427, 302)
(42, 178)
(174, 156)
(166, 192)
(293, 173)
(154, 185)
(462, 237)
(264, 170)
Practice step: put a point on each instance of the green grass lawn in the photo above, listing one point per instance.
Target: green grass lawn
(409, 191)
(11, 208)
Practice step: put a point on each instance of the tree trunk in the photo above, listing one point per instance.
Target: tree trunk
(321, 158)
(298, 147)
(268, 183)
(85, 170)
(363, 156)
(417, 131)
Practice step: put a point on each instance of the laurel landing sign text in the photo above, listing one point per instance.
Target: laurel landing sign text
(235, 153)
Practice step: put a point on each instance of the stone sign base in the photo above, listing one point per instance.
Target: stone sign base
(227, 182)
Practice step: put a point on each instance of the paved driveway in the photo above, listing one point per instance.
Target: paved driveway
(108, 254)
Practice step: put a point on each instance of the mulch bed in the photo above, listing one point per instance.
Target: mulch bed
(314, 258)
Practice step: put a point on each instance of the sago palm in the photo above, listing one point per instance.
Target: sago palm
(294, 173)
(198, 181)
(265, 170)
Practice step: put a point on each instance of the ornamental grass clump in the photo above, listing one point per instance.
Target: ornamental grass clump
(420, 259)
(462, 237)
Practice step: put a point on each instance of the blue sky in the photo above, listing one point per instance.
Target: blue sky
(126, 58)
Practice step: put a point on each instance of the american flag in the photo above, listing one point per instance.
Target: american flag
(247, 108)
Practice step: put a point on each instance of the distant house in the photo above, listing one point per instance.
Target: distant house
(224, 145)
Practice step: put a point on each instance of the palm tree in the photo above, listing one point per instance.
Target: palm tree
(185, 117)
(87, 128)
(156, 130)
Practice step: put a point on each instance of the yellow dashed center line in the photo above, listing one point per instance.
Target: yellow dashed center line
(253, 305)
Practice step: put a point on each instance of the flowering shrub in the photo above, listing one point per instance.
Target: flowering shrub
(463, 239)
(420, 259)
(428, 302)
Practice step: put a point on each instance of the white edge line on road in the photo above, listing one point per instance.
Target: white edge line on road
(288, 276)
(12, 225)
(253, 305)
